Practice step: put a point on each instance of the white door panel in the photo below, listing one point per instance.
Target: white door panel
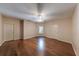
(8, 30)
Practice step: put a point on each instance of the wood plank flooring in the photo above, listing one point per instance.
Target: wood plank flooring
(37, 46)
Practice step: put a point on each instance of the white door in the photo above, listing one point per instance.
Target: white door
(8, 32)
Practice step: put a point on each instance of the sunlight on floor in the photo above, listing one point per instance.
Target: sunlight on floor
(41, 45)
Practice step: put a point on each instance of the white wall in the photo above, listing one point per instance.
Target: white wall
(15, 22)
(30, 29)
(76, 30)
(1, 29)
(59, 29)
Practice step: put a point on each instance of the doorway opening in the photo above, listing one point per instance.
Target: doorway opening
(41, 30)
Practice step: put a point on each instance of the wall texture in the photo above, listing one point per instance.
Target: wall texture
(30, 29)
(59, 29)
(76, 30)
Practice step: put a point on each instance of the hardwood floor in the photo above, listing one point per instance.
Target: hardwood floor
(37, 46)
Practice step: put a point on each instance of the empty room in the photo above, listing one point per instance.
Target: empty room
(39, 29)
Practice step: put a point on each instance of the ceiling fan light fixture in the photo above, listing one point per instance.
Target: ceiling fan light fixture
(40, 19)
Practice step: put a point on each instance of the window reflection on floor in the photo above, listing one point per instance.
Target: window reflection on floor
(41, 46)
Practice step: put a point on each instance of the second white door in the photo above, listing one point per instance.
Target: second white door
(8, 30)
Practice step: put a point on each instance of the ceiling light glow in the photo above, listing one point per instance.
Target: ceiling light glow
(40, 19)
